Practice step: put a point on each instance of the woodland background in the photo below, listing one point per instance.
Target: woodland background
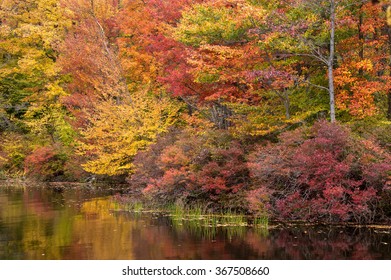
(277, 108)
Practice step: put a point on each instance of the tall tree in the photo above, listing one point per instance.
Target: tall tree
(89, 56)
(220, 53)
(116, 133)
(362, 70)
(113, 93)
(310, 31)
(30, 78)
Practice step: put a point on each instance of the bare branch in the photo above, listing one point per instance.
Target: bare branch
(315, 85)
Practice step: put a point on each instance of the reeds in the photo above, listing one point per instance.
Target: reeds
(204, 222)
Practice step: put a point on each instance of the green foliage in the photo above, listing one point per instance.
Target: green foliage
(30, 79)
(48, 119)
(13, 150)
(207, 24)
(373, 128)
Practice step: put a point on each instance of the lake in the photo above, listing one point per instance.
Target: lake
(81, 222)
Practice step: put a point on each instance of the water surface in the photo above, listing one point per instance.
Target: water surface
(82, 223)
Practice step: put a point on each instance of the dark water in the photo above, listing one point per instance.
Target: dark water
(80, 223)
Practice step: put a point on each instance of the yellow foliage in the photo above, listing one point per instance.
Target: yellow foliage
(116, 132)
(365, 64)
(30, 39)
(14, 148)
(200, 125)
(254, 120)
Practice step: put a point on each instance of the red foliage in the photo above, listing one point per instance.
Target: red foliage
(168, 11)
(324, 175)
(45, 162)
(258, 201)
(175, 74)
(196, 167)
(146, 162)
(226, 173)
(179, 64)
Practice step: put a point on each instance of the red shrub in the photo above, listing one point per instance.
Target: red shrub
(258, 201)
(45, 163)
(225, 173)
(322, 174)
(146, 162)
(208, 167)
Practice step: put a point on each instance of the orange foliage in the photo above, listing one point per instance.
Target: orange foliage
(361, 73)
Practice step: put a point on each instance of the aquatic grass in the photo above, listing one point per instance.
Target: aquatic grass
(177, 211)
(195, 212)
(138, 207)
(230, 218)
(131, 206)
(205, 223)
(261, 221)
(200, 215)
(211, 220)
(235, 232)
(198, 228)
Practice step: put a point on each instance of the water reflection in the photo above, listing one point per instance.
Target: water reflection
(80, 223)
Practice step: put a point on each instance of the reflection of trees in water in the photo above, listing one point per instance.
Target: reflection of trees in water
(42, 224)
(285, 243)
(332, 243)
(33, 229)
(162, 239)
(72, 225)
(100, 234)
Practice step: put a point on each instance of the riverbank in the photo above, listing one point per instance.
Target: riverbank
(79, 223)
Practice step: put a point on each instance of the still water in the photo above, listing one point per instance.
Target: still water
(80, 223)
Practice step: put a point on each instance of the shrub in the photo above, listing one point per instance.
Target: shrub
(323, 174)
(146, 162)
(45, 163)
(374, 128)
(208, 167)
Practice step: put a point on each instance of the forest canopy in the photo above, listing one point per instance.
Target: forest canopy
(237, 102)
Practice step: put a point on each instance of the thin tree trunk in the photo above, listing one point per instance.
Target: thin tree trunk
(361, 39)
(287, 105)
(123, 87)
(330, 63)
(219, 115)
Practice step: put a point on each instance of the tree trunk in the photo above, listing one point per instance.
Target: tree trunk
(330, 63)
(361, 39)
(287, 105)
(219, 115)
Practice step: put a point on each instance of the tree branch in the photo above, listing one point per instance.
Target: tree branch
(315, 85)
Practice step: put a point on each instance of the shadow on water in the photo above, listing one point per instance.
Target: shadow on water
(82, 223)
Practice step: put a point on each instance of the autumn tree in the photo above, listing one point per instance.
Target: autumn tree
(113, 91)
(309, 31)
(362, 72)
(88, 56)
(30, 78)
(219, 53)
(116, 133)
